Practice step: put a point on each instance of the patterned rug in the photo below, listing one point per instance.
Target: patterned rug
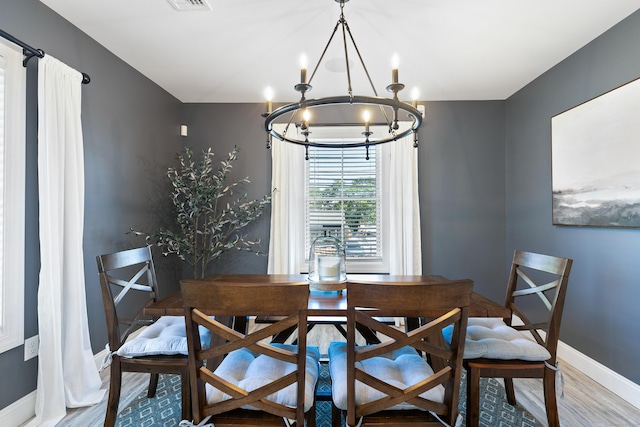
(164, 409)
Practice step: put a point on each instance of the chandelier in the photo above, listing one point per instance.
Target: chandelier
(400, 119)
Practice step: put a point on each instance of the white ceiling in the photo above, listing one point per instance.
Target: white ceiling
(449, 49)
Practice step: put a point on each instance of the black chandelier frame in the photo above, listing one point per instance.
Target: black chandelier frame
(350, 99)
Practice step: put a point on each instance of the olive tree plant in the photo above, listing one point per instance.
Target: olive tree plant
(210, 217)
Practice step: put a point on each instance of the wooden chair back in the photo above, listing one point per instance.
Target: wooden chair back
(439, 304)
(123, 274)
(543, 279)
(203, 299)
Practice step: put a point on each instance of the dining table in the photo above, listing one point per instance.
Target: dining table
(328, 305)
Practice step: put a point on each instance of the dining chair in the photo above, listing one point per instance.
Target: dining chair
(128, 282)
(503, 348)
(258, 382)
(411, 377)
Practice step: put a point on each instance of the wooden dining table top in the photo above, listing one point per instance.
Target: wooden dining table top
(322, 303)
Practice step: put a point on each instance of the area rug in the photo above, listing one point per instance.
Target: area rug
(164, 409)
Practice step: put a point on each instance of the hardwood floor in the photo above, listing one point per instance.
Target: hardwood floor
(132, 385)
(585, 402)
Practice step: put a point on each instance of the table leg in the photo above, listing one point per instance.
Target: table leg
(369, 336)
(216, 340)
(411, 323)
(281, 337)
(436, 338)
(240, 324)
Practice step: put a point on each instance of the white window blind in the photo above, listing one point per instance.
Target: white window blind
(343, 200)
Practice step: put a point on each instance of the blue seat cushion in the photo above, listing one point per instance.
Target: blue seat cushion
(250, 370)
(402, 368)
(491, 338)
(166, 336)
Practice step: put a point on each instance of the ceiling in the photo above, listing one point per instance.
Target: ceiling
(448, 49)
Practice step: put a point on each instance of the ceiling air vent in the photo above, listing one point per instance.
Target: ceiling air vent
(189, 5)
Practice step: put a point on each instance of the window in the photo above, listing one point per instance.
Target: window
(343, 199)
(12, 189)
(381, 226)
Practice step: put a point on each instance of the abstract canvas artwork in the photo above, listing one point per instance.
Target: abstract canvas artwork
(595, 161)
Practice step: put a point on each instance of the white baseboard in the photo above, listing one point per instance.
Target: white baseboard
(611, 380)
(19, 411)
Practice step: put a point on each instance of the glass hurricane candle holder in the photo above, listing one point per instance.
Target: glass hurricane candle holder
(327, 264)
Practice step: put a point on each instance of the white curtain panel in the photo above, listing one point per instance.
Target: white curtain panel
(67, 373)
(400, 186)
(287, 207)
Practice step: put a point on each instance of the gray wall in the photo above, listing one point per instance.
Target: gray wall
(221, 127)
(131, 134)
(601, 311)
(461, 167)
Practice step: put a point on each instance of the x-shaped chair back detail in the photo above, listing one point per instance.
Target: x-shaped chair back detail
(525, 285)
(439, 305)
(205, 302)
(123, 274)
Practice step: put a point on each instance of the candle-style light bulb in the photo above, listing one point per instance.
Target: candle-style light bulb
(303, 68)
(268, 94)
(395, 62)
(306, 115)
(415, 94)
(366, 116)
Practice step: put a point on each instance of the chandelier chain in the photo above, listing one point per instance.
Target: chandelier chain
(366, 71)
(346, 54)
(335, 29)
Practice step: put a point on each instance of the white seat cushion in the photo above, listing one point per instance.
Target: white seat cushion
(166, 336)
(403, 368)
(250, 370)
(491, 338)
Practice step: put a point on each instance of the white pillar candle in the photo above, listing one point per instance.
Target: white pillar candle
(328, 268)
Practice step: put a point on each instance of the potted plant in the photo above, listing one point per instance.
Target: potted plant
(210, 218)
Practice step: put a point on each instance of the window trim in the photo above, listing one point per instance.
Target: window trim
(13, 233)
(380, 266)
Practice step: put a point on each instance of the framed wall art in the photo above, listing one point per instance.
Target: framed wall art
(595, 161)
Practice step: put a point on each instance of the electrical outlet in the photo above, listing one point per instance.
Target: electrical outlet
(31, 346)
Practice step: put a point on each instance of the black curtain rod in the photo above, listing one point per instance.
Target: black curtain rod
(29, 52)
